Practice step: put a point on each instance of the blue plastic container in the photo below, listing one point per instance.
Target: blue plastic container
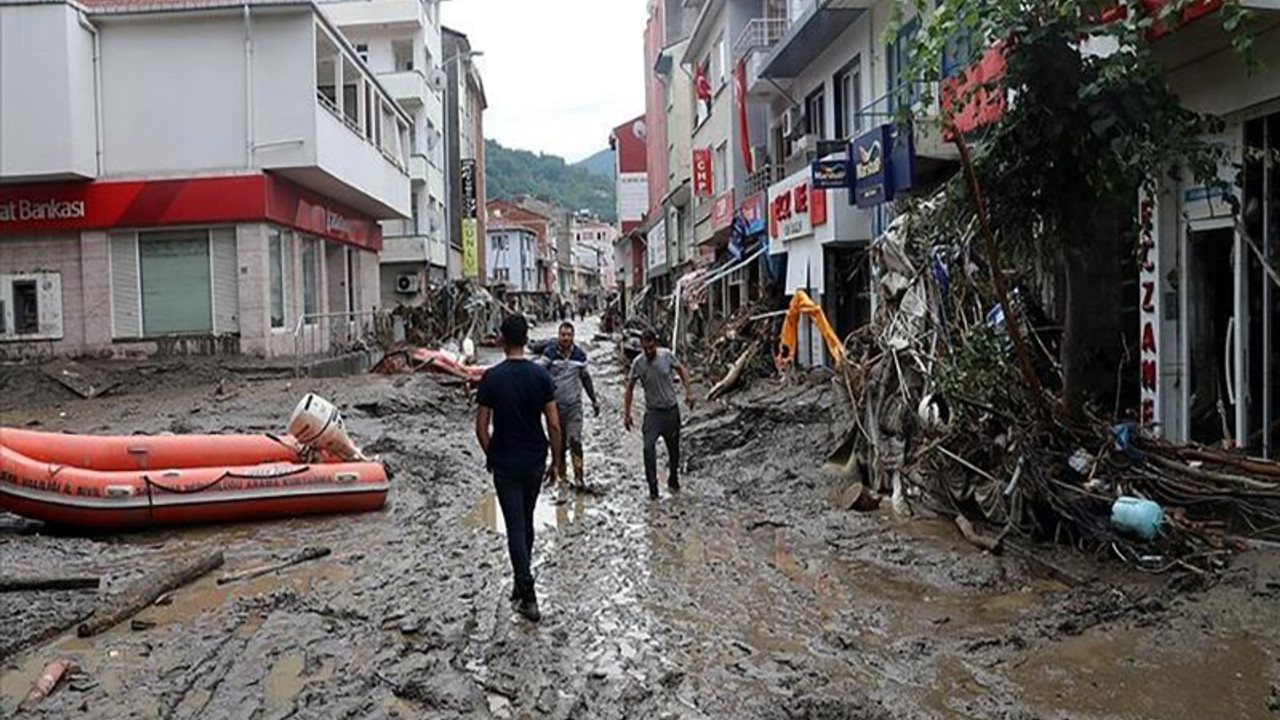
(1137, 516)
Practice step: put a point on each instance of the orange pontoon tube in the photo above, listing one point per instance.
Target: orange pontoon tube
(142, 452)
(81, 497)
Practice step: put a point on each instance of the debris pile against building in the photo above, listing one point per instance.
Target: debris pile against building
(945, 418)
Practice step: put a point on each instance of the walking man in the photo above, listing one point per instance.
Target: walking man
(515, 395)
(655, 368)
(568, 365)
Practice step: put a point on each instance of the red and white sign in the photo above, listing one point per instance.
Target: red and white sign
(971, 99)
(795, 208)
(722, 212)
(703, 180)
(108, 205)
(1149, 314)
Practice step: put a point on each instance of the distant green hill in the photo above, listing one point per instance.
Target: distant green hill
(509, 173)
(602, 164)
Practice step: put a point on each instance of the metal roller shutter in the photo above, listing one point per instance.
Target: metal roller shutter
(126, 305)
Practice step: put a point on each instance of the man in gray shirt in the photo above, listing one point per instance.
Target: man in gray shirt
(655, 368)
(568, 365)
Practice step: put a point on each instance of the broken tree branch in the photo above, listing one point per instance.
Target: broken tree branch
(304, 555)
(997, 273)
(8, 585)
(48, 680)
(144, 591)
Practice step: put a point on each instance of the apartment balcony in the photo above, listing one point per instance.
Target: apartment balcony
(351, 144)
(414, 249)
(418, 168)
(409, 88)
(753, 47)
(811, 31)
(403, 16)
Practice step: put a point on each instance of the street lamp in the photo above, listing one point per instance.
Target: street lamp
(466, 55)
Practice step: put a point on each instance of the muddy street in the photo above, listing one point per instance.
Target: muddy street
(750, 595)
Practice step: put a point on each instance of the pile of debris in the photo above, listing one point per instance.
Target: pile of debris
(454, 311)
(944, 414)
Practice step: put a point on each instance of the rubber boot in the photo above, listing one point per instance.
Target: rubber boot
(578, 471)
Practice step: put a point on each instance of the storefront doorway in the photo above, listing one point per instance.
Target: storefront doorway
(1230, 306)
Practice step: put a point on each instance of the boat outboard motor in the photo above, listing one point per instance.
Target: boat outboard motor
(317, 424)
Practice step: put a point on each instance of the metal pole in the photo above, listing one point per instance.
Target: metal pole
(1268, 293)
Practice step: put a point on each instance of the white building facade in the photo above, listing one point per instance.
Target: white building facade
(226, 199)
(401, 42)
(513, 259)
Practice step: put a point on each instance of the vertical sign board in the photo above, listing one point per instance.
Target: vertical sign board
(703, 180)
(1149, 316)
(870, 155)
(470, 241)
(722, 211)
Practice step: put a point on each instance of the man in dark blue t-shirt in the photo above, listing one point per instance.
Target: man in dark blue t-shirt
(516, 394)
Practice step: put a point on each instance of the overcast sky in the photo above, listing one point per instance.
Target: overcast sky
(559, 74)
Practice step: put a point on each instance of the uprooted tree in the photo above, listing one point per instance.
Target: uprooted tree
(1089, 120)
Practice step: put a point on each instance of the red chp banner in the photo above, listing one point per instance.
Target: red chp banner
(703, 180)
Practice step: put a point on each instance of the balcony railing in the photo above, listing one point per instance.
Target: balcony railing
(760, 34)
(762, 179)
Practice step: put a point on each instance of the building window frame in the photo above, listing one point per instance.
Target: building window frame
(847, 84)
(815, 112)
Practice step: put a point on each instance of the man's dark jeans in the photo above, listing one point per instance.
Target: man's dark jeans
(517, 496)
(665, 424)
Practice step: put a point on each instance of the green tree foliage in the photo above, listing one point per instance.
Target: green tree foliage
(509, 173)
(1087, 125)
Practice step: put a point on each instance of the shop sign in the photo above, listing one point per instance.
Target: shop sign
(795, 208)
(722, 212)
(703, 180)
(657, 246)
(1149, 314)
(469, 205)
(831, 174)
(883, 163)
(62, 207)
(470, 249)
(753, 212)
(870, 154)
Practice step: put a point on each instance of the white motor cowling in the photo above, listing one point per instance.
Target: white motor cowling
(317, 424)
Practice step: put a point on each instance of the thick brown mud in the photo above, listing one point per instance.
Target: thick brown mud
(750, 595)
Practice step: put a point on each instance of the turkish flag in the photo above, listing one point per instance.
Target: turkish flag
(702, 83)
(740, 92)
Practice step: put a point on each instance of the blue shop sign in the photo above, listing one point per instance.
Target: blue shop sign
(831, 174)
(882, 165)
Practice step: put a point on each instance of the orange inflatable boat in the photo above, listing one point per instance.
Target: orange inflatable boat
(127, 482)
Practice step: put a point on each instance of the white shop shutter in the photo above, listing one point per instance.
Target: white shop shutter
(126, 305)
(226, 282)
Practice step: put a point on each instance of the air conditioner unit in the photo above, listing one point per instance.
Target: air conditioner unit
(437, 79)
(805, 144)
(407, 283)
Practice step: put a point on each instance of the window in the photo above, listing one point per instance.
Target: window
(326, 71)
(899, 61)
(351, 82)
(353, 279)
(362, 49)
(402, 52)
(719, 64)
(720, 168)
(26, 308)
(413, 203)
(276, 259)
(310, 279)
(815, 112)
(176, 280)
(848, 84)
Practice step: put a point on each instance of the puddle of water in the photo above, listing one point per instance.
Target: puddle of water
(547, 515)
(1132, 675)
(285, 680)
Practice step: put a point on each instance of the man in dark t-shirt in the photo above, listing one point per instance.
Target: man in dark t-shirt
(515, 395)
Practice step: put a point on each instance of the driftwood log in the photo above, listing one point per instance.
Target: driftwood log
(48, 680)
(735, 372)
(146, 590)
(8, 585)
(311, 553)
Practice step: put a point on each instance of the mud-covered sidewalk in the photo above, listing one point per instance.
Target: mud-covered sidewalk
(751, 595)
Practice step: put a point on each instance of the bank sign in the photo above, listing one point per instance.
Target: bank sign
(29, 210)
(882, 163)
